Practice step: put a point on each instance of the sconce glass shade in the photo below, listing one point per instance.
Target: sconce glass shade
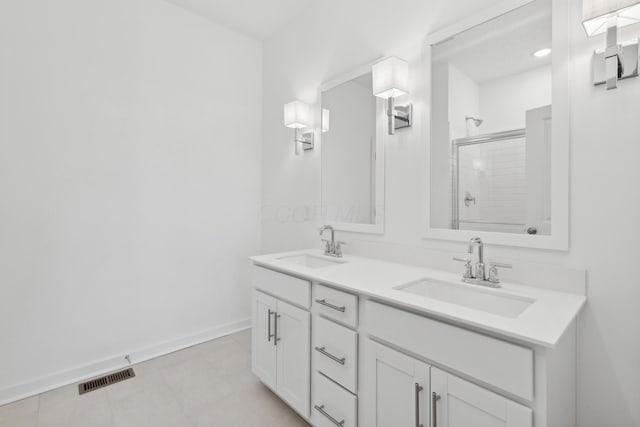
(297, 115)
(596, 14)
(325, 120)
(390, 78)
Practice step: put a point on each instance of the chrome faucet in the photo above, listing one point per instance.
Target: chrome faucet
(476, 241)
(479, 277)
(331, 247)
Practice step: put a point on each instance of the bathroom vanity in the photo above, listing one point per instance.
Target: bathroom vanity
(360, 342)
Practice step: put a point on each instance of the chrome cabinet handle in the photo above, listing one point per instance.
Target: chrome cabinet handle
(419, 388)
(329, 417)
(276, 316)
(269, 334)
(324, 352)
(335, 307)
(434, 408)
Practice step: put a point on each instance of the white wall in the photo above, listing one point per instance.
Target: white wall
(464, 100)
(503, 102)
(129, 184)
(604, 151)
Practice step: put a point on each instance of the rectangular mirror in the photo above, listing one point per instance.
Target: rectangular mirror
(352, 154)
(499, 127)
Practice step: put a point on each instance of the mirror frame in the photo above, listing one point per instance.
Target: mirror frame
(379, 213)
(561, 130)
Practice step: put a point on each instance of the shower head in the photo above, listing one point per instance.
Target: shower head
(476, 121)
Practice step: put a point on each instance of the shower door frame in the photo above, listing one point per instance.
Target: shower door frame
(455, 163)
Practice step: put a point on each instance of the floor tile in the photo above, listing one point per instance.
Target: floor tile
(210, 384)
(150, 408)
(20, 408)
(63, 408)
(243, 337)
(26, 419)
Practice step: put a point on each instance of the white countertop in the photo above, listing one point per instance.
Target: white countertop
(542, 323)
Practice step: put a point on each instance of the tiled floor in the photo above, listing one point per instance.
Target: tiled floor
(207, 385)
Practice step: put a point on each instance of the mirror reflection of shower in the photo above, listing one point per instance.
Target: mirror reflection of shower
(490, 182)
(473, 123)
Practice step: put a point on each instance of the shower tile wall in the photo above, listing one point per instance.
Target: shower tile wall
(495, 174)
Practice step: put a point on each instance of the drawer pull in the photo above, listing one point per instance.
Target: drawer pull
(322, 351)
(329, 417)
(434, 408)
(335, 307)
(419, 388)
(269, 334)
(276, 338)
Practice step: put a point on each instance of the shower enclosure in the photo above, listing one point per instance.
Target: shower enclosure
(489, 182)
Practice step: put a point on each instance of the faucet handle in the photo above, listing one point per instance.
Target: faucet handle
(494, 277)
(339, 248)
(327, 246)
(468, 271)
(500, 264)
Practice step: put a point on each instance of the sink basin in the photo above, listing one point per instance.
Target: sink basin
(312, 261)
(477, 298)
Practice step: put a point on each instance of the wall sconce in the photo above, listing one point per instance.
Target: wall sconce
(616, 61)
(297, 115)
(390, 80)
(325, 120)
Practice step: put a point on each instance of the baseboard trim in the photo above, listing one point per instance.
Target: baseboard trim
(100, 367)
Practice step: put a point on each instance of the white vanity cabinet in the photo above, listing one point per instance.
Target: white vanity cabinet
(459, 403)
(333, 405)
(398, 389)
(335, 357)
(336, 350)
(407, 392)
(474, 379)
(264, 352)
(281, 339)
(348, 357)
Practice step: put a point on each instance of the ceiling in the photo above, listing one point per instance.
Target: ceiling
(255, 18)
(501, 47)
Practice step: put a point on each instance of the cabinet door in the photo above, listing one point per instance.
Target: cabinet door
(398, 387)
(293, 335)
(461, 404)
(263, 354)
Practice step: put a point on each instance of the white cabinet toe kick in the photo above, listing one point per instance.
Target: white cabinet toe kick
(344, 358)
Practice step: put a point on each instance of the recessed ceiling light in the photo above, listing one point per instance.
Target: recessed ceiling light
(542, 52)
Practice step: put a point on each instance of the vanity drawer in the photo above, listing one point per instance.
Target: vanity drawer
(337, 305)
(493, 361)
(333, 405)
(283, 286)
(336, 352)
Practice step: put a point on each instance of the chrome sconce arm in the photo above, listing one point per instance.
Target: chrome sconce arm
(398, 117)
(616, 61)
(304, 140)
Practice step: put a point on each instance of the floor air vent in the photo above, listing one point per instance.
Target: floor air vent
(97, 383)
